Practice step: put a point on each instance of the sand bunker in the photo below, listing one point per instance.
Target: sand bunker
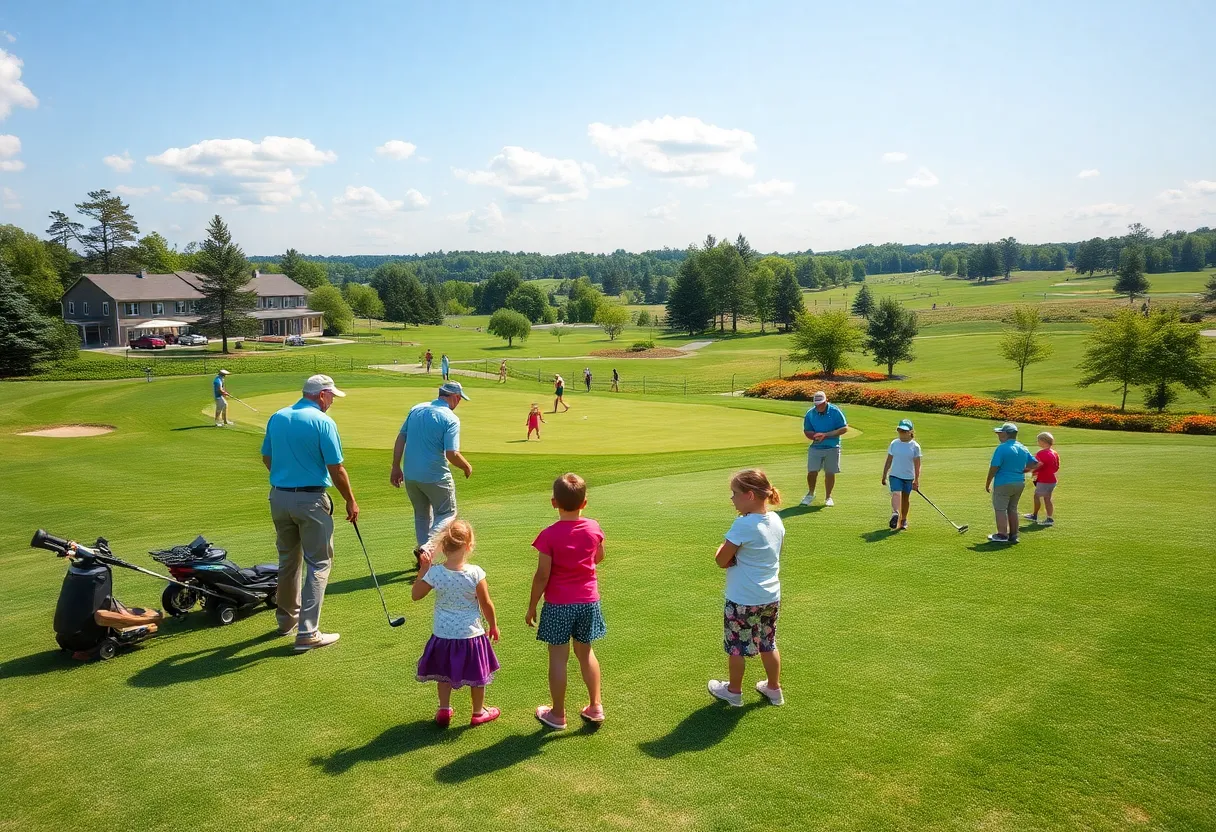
(70, 431)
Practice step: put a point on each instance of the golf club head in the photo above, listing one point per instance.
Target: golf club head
(963, 529)
(396, 622)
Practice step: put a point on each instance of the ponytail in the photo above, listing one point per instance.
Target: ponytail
(755, 481)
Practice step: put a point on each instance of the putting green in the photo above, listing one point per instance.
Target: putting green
(494, 422)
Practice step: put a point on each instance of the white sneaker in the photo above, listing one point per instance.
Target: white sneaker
(807, 500)
(318, 639)
(774, 696)
(719, 689)
(829, 502)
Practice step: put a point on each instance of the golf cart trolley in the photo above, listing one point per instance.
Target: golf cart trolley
(203, 572)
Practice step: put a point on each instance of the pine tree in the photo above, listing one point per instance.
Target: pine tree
(26, 336)
(63, 230)
(863, 302)
(226, 303)
(688, 304)
(889, 334)
(787, 300)
(1131, 280)
(107, 241)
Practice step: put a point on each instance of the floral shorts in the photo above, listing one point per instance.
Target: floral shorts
(749, 630)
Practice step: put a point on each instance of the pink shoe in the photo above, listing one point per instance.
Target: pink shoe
(443, 717)
(592, 713)
(542, 713)
(486, 715)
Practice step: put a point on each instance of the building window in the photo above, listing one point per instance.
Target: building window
(193, 306)
(71, 307)
(84, 307)
(105, 309)
(158, 309)
(180, 307)
(130, 309)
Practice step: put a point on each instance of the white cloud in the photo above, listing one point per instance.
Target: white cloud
(10, 146)
(773, 187)
(895, 156)
(679, 148)
(994, 211)
(10, 199)
(243, 172)
(604, 182)
(528, 176)
(397, 149)
(487, 221)
(1102, 209)
(898, 190)
(415, 201)
(13, 93)
(122, 164)
(127, 190)
(312, 205)
(365, 200)
(1202, 186)
(924, 178)
(1171, 195)
(663, 213)
(959, 216)
(9, 36)
(835, 209)
(1089, 173)
(188, 195)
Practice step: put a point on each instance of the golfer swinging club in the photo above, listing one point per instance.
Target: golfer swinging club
(430, 439)
(221, 399)
(303, 453)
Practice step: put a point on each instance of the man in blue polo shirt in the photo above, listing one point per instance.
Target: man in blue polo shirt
(429, 439)
(1006, 479)
(303, 453)
(823, 424)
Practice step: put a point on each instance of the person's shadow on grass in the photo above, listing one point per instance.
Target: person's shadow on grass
(213, 661)
(507, 752)
(36, 664)
(400, 739)
(797, 511)
(400, 576)
(700, 730)
(878, 535)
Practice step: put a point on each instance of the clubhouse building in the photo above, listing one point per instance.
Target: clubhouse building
(114, 309)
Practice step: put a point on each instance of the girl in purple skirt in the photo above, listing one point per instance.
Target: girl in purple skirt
(459, 652)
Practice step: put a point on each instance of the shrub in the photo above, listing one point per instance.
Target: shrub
(848, 375)
(641, 346)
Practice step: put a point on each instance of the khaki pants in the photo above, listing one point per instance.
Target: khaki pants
(305, 526)
(434, 505)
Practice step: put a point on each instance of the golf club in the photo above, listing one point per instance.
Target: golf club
(961, 529)
(251, 407)
(392, 622)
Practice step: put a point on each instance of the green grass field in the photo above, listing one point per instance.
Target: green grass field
(933, 681)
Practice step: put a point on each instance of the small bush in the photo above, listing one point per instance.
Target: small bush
(641, 346)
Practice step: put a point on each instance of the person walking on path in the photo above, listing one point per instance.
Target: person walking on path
(587, 378)
(429, 359)
(502, 372)
(559, 391)
(429, 439)
(303, 453)
(445, 366)
(221, 399)
(616, 381)
(823, 424)
(1006, 481)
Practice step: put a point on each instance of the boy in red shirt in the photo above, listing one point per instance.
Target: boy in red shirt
(1045, 479)
(568, 552)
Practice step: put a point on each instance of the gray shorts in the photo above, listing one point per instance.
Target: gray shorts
(1005, 497)
(221, 403)
(1044, 489)
(827, 459)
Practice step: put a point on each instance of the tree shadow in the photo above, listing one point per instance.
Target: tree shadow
(699, 731)
(1008, 393)
(194, 427)
(798, 511)
(348, 585)
(878, 535)
(400, 739)
(208, 663)
(507, 752)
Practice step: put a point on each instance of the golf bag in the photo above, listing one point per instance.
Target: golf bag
(89, 620)
(204, 571)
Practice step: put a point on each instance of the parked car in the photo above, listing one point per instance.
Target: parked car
(192, 340)
(148, 342)
(294, 341)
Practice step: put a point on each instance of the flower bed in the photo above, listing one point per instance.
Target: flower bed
(858, 376)
(1033, 411)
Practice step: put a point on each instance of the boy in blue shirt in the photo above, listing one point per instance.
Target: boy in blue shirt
(1006, 480)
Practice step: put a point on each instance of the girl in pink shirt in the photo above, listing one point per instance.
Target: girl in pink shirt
(1045, 480)
(535, 419)
(567, 555)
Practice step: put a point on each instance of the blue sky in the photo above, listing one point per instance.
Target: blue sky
(369, 127)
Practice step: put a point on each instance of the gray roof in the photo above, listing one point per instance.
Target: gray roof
(298, 312)
(275, 284)
(184, 286)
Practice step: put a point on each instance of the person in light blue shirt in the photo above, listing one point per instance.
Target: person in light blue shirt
(823, 424)
(221, 399)
(303, 453)
(429, 439)
(445, 367)
(1006, 480)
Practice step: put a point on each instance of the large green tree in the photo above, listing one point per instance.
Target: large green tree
(154, 255)
(863, 302)
(1010, 253)
(728, 278)
(787, 300)
(31, 264)
(688, 305)
(889, 334)
(226, 303)
(1131, 280)
(1193, 253)
(337, 312)
(1090, 256)
(509, 324)
(496, 290)
(988, 262)
(529, 300)
(1209, 289)
(825, 339)
(363, 301)
(764, 293)
(1174, 354)
(612, 318)
(1024, 342)
(949, 264)
(1114, 352)
(63, 229)
(113, 231)
(27, 337)
(404, 297)
(582, 302)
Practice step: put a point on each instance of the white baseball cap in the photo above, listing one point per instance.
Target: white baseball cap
(318, 383)
(820, 397)
(225, 373)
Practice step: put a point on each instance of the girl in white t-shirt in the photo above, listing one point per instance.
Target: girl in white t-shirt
(903, 466)
(751, 556)
(459, 651)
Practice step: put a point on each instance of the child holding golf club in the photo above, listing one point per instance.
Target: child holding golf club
(751, 556)
(535, 420)
(1045, 479)
(459, 652)
(567, 555)
(903, 466)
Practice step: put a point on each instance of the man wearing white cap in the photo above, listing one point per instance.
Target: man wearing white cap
(1006, 480)
(429, 439)
(303, 453)
(221, 399)
(823, 424)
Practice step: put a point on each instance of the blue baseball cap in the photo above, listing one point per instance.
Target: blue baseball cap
(904, 424)
(452, 388)
(1008, 427)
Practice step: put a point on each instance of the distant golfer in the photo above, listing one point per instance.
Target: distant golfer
(616, 381)
(303, 453)
(430, 439)
(221, 399)
(429, 359)
(444, 366)
(1006, 480)
(502, 372)
(559, 392)
(823, 424)
(587, 378)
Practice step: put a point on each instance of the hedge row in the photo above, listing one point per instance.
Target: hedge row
(862, 376)
(1032, 411)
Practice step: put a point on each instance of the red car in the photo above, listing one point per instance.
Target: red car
(148, 342)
